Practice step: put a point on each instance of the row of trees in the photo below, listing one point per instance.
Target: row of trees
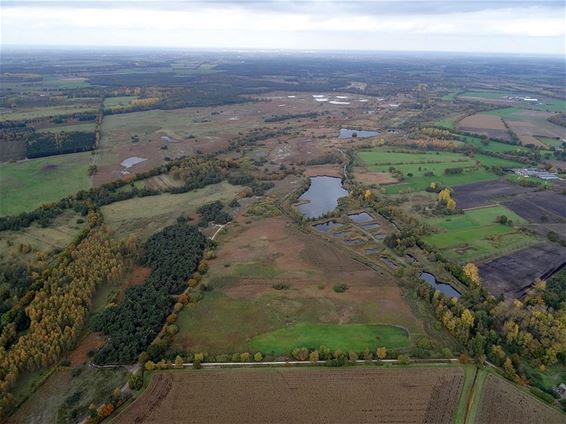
(59, 309)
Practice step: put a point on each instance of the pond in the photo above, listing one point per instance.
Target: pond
(371, 226)
(349, 133)
(360, 217)
(445, 288)
(131, 161)
(322, 196)
(327, 226)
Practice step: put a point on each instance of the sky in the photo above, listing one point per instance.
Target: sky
(478, 26)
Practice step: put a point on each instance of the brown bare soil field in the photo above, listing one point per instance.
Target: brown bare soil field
(489, 125)
(326, 170)
(292, 395)
(512, 274)
(368, 177)
(92, 342)
(541, 206)
(503, 403)
(139, 275)
(486, 193)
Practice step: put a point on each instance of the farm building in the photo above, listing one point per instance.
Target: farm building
(539, 173)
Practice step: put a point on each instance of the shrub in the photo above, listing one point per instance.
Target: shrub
(340, 288)
(542, 395)
(280, 286)
(258, 357)
(135, 381)
(300, 353)
(403, 360)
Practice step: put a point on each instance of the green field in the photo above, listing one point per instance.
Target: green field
(551, 142)
(419, 163)
(110, 102)
(44, 112)
(508, 112)
(492, 146)
(28, 184)
(88, 127)
(486, 94)
(344, 337)
(448, 123)
(451, 95)
(475, 235)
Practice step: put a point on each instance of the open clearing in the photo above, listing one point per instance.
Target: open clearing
(144, 216)
(475, 234)
(46, 241)
(293, 395)
(31, 183)
(503, 403)
(512, 273)
(255, 254)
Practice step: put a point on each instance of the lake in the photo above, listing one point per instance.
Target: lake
(445, 288)
(322, 196)
(349, 133)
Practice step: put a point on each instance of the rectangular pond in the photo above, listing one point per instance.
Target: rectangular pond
(350, 133)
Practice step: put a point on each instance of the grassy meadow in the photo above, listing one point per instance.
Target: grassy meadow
(28, 184)
(475, 235)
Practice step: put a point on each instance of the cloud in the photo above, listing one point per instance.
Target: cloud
(448, 25)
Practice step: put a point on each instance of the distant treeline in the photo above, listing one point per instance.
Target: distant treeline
(280, 118)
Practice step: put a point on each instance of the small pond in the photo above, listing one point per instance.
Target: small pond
(349, 133)
(389, 262)
(379, 236)
(360, 217)
(326, 226)
(322, 196)
(351, 242)
(131, 161)
(445, 288)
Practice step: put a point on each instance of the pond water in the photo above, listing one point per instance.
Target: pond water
(349, 133)
(134, 160)
(445, 288)
(351, 242)
(372, 250)
(371, 226)
(326, 226)
(389, 262)
(341, 234)
(379, 236)
(322, 196)
(361, 217)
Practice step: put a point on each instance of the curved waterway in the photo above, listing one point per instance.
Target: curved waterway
(445, 288)
(321, 197)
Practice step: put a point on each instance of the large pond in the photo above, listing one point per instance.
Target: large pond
(322, 196)
(447, 289)
(349, 133)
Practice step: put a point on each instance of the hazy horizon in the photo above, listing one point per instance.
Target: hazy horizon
(483, 27)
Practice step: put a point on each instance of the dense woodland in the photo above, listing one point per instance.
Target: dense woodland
(173, 254)
(48, 144)
(58, 310)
